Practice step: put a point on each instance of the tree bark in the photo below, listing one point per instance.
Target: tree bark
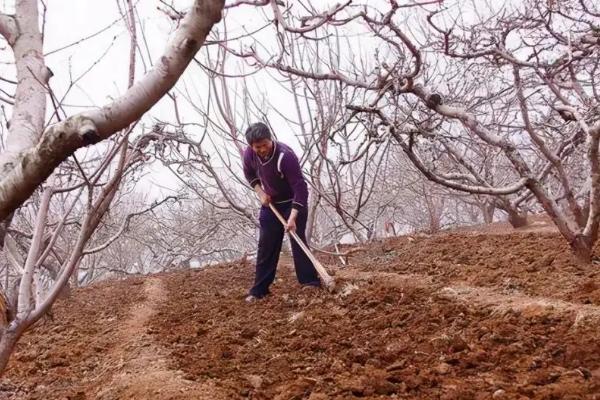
(24, 172)
(28, 160)
(8, 340)
(4, 225)
(312, 216)
(517, 219)
(488, 210)
(582, 248)
(4, 311)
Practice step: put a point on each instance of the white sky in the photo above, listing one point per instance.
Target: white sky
(69, 21)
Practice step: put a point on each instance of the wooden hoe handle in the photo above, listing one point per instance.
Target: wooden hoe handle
(327, 279)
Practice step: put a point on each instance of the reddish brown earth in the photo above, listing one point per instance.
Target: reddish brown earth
(451, 316)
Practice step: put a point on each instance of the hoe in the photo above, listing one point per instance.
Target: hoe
(327, 279)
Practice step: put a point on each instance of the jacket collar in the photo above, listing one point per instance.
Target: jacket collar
(271, 157)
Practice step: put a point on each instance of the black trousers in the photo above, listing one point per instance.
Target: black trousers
(269, 247)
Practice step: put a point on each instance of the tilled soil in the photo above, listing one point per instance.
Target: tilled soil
(64, 358)
(452, 316)
(537, 264)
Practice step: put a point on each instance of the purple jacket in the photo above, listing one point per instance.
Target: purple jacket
(280, 176)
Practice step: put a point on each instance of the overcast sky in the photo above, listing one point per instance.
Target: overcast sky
(99, 60)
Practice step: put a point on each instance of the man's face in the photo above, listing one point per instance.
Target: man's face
(263, 147)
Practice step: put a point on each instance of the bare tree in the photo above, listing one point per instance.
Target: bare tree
(518, 82)
(32, 151)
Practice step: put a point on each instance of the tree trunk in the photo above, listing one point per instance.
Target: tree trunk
(33, 161)
(488, 210)
(75, 278)
(8, 339)
(517, 219)
(4, 225)
(312, 215)
(434, 224)
(65, 291)
(4, 311)
(585, 213)
(390, 229)
(54, 271)
(582, 248)
(371, 232)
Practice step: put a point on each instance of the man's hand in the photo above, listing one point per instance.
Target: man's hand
(264, 198)
(291, 222)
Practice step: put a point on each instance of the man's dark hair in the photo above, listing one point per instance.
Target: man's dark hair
(256, 132)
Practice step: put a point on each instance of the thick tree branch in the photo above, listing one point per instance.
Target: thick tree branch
(566, 226)
(28, 112)
(34, 165)
(8, 28)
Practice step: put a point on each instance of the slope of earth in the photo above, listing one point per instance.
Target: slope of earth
(61, 359)
(450, 316)
(532, 263)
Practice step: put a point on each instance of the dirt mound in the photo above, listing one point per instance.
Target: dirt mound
(537, 264)
(454, 316)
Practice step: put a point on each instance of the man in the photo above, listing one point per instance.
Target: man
(273, 171)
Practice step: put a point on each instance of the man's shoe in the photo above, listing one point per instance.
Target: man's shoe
(251, 299)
